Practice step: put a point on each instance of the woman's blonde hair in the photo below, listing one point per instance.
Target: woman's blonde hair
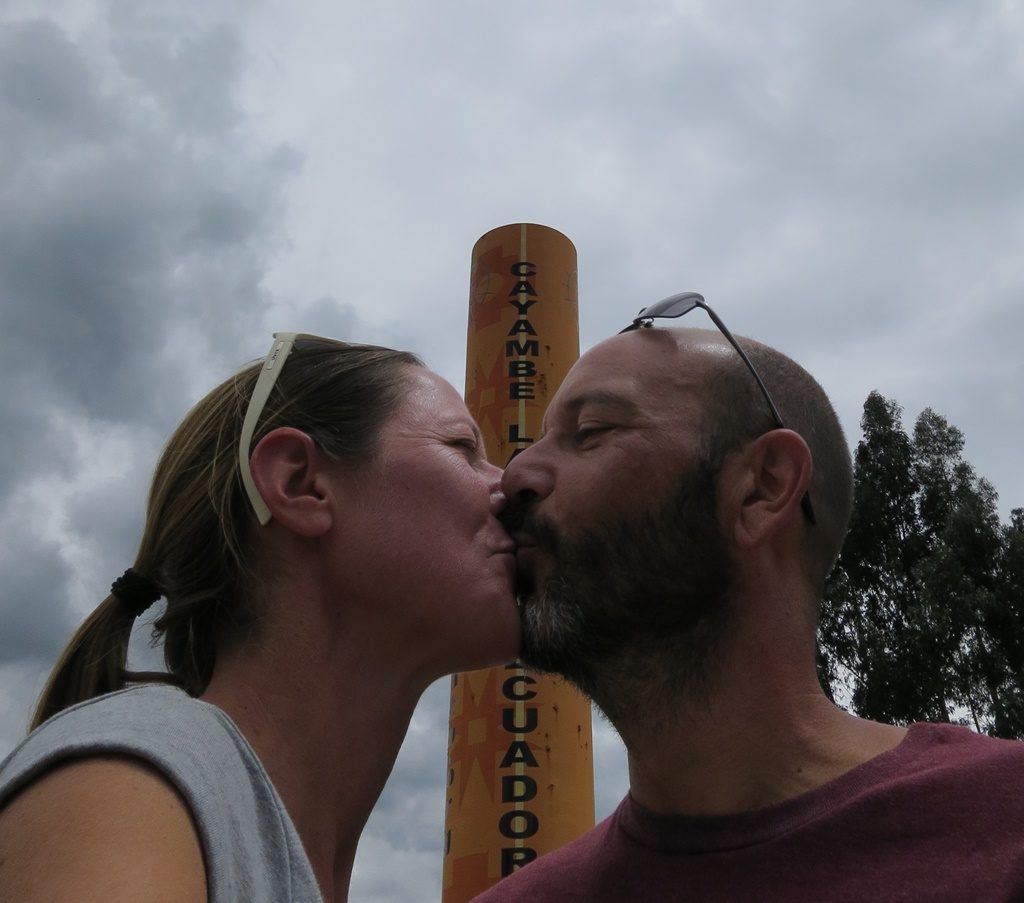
(194, 545)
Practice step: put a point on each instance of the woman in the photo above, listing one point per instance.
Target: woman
(324, 530)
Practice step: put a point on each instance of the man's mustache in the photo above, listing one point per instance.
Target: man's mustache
(520, 517)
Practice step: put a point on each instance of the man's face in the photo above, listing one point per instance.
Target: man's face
(622, 565)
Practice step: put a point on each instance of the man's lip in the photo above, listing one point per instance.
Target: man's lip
(529, 555)
(524, 541)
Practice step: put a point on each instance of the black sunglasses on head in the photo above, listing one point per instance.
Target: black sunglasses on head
(678, 305)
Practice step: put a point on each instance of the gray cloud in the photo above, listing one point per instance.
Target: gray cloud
(35, 576)
(138, 215)
(120, 225)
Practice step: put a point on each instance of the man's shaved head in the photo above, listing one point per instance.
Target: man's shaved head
(735, 412)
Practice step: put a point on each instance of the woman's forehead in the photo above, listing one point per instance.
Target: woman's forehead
(429, 398)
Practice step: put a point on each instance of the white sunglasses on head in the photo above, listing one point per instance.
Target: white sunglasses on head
(284, 343)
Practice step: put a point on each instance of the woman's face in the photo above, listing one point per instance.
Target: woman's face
(433, 554)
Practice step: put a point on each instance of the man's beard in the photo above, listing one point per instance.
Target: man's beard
(634, 609)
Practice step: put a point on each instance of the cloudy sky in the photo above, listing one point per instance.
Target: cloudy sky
(177, 180)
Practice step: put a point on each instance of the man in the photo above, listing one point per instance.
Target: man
(674, 540)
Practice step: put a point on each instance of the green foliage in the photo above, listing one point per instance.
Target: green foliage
(923, 616)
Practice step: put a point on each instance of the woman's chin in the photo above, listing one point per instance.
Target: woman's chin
(501, 647)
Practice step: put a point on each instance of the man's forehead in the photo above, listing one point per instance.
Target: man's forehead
(644, 359)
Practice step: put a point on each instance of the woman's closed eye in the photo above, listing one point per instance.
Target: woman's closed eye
(469, 444)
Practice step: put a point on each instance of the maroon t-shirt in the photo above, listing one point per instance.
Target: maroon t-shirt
(940, 818)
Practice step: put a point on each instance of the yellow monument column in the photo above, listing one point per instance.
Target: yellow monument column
(520, 764)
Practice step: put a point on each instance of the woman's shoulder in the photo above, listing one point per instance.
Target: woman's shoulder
(85, 790)
(161, 725)
(193, 744)
(91, 823)
(160, 737)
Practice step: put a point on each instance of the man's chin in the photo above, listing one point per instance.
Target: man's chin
(547, 632)
(532, 568)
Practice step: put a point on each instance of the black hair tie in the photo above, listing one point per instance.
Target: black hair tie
(135, 592)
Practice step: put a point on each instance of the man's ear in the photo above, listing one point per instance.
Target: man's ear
(773, 474)
(289, 472)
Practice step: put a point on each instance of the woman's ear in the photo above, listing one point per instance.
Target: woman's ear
(290, 473)
(774, 472)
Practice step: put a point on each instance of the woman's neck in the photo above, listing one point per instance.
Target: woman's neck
(327, 724)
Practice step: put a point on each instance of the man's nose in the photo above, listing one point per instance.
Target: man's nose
(528, 476)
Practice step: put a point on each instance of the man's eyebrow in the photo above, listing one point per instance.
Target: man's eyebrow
(603, 397)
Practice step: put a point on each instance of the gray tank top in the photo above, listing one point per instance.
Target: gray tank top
(251, 848)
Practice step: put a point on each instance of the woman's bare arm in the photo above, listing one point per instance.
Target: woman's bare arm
(100, 829)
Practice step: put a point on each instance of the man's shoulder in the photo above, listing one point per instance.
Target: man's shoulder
(569, 873)
(984, 771)
(956, 745)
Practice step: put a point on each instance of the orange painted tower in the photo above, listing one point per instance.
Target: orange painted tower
(520, 763)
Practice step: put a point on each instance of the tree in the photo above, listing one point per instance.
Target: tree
(1004, 624)
(923, 618)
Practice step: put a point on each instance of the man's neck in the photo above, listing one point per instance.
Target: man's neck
(723, 757)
